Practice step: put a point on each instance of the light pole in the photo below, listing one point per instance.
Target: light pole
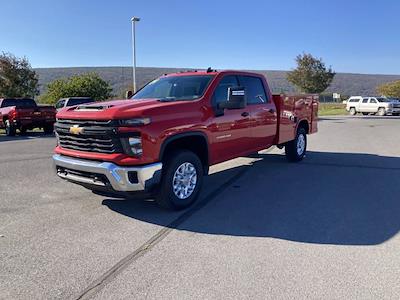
(134, 20)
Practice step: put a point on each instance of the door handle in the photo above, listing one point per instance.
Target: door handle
(245, 114)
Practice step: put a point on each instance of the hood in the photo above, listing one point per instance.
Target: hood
(116, 109)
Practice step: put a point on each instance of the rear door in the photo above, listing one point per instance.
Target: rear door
(262, 112)
(364, 105)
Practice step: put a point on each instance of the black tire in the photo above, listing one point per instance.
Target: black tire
(353, 111)
(10, 128)
(48, 129)
(365, 113)
(165, 196)
(22, 130)
(381, 111)
(291, 148)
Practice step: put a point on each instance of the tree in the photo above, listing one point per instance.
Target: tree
(86, 85)
(311, 74)
(391, 89)
(17, 78)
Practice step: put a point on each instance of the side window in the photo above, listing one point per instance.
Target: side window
(365, 100)
(254, 89)
(221, 92)
(60, 104)
(372, 101)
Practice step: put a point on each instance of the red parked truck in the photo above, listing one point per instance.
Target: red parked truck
(24, 114)
(165, 138)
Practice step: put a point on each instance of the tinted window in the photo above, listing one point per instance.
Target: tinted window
(19, 103)
(221, 92)
(254, 89)
(365, 100)
(60, 104)
(354, 100)
(382, 99)
(173, 88)
(372, 101)
(73, 102)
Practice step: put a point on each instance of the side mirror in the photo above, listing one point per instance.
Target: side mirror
(236, 99)
(128, 94)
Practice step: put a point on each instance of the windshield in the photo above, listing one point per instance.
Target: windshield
(73, 102)
(19, 103)
(175, 88)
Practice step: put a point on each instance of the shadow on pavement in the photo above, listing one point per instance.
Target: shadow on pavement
(329, 198)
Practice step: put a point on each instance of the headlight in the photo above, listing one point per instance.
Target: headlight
(135, 145)
(135, 122)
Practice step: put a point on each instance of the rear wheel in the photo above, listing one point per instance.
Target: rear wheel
(353, 111)
(22, 130)
(181, 180)
(381, 111)
(295, 150)
(10, 128)
(48, 129)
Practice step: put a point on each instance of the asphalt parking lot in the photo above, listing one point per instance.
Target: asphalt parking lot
(265, 228)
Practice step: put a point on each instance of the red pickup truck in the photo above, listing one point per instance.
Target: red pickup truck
(167, 135)
(24, 114)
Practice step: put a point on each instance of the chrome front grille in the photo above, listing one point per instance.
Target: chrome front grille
(94, 136)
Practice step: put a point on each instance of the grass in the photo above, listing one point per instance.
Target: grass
(332, 109)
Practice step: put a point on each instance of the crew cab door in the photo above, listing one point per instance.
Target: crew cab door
(364, 106)
(262, 112)
(373, 105)
(231, 131)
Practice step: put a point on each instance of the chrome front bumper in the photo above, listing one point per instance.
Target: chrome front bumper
(106, 174)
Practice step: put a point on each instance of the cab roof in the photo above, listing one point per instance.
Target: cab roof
(209, 72)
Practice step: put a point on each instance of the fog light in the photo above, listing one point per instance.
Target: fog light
(135, 144)
(132, 176)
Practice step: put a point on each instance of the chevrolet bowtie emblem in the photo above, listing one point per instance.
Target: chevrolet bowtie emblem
(76, 129)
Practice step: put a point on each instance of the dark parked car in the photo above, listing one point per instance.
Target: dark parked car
(64, 102)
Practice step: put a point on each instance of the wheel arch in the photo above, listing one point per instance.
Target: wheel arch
(303, 124)
(194, 141)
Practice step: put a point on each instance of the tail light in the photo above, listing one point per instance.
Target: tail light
(14, 114)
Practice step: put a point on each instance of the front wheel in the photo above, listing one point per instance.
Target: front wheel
(181, 180)
(381, 111)
(295, 150)
(353, 111)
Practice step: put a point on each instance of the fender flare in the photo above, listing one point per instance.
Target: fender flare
(177, 136)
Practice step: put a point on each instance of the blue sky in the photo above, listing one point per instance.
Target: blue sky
(352, 36)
